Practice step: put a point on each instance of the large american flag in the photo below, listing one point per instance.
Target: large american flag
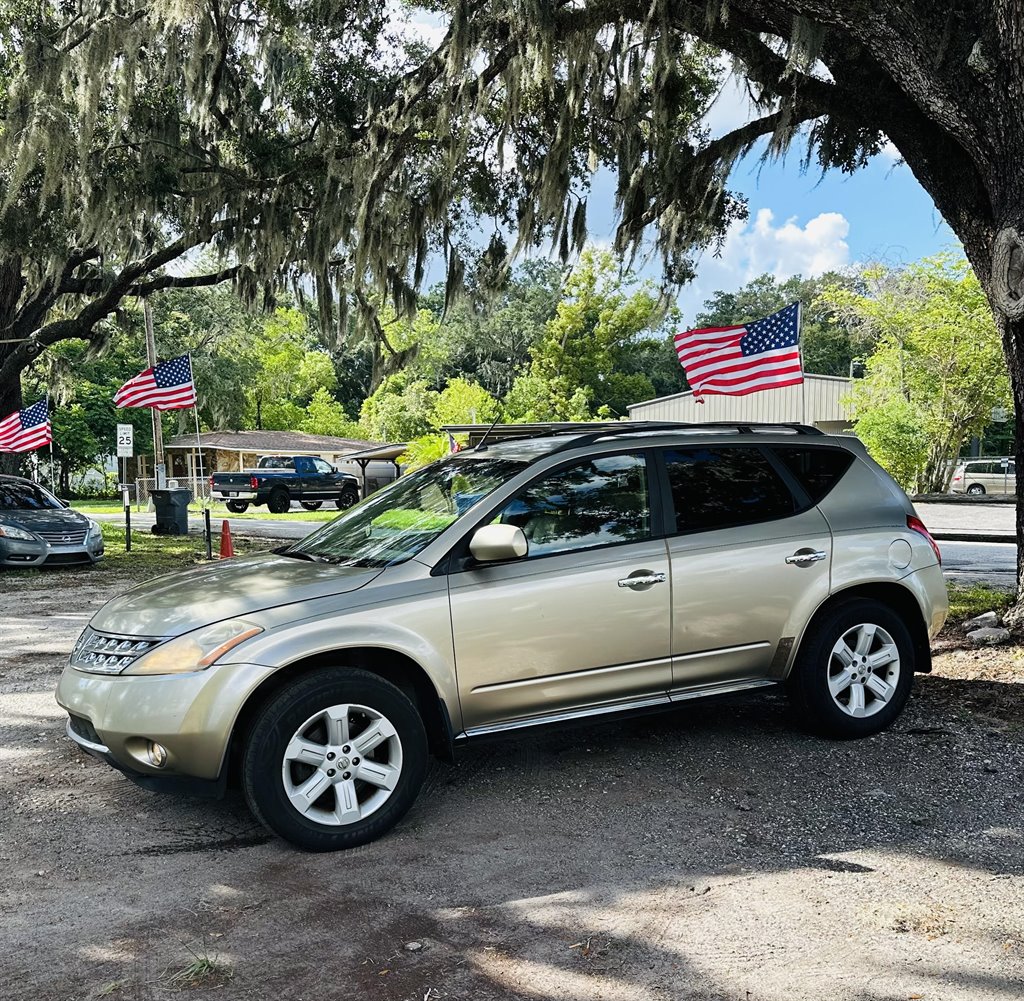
(734, 361)
(26, 430)
(167, 386)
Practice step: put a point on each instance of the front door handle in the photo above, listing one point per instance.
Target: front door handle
(805, 557)
(642, 578)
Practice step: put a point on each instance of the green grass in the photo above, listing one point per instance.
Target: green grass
(968, 600)
(327, 513)
(163, 553)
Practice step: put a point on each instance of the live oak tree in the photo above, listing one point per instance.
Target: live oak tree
(306, 137)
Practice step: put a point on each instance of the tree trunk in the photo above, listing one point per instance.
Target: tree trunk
(1013, 347)
(11, 285)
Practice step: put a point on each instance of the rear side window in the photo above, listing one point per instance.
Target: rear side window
(817, 470)
(717, 487)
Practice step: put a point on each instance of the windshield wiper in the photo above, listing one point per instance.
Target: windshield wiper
(298, 554)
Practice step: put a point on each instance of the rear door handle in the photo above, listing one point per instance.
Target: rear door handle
(805, 557)
(642, 580)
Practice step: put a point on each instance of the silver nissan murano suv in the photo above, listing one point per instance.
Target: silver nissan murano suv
(571, 574)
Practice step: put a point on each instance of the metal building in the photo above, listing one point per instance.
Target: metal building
(818, 401)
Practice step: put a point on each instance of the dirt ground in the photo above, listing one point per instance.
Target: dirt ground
(711, 853)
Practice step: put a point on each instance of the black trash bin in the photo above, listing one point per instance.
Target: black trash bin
(171, 511)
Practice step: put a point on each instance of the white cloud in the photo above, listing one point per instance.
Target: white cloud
(759, 246)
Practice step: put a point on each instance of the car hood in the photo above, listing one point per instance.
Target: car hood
(56, 519)
(180, 602)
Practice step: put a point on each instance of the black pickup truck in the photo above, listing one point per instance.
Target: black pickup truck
(280, 479)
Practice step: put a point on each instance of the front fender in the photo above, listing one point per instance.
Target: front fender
(409, 618)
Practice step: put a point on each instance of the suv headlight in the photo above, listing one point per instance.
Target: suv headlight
(10, 532)
(194, 651)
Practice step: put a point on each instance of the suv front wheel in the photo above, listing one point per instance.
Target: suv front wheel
(335, 759)
(854, 671)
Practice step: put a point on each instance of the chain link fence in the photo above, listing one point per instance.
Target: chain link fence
(199, 485)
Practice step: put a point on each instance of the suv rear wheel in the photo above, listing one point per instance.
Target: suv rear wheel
(976, 489)
(854, 671)
(334, 760)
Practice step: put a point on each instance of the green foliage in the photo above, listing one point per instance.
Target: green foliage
(580, 364)
(326, 416)
(896, 439)
(399, 410)
(936, 371)
(464, 402)
(424, 450)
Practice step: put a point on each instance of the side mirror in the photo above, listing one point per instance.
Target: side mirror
(494, 543)
(63, 502)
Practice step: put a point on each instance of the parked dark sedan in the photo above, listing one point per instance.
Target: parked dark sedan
(37, 529)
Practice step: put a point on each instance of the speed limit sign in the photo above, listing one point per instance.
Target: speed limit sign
(125, 441)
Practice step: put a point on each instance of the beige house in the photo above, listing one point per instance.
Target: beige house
(819, 401)
(191, 462)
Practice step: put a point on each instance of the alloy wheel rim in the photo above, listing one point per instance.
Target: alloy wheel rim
(863, 670)
(342, 765)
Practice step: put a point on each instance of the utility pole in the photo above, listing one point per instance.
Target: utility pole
(160, 469)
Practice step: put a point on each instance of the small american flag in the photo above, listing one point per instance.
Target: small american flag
(453, 445)
(26, 430)
(735, 361)
(167, 386)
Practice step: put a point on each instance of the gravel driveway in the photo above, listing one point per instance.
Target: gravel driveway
(711, 853)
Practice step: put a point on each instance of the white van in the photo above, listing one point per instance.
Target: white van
(985, 476)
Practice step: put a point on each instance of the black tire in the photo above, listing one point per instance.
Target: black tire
(976, 489)
(808, 683)
(277, 722)
(237, 507)
(349, 496)
(279, 502)
(311, 505)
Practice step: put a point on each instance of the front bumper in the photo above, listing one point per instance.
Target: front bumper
(37, 553)
(191, 715)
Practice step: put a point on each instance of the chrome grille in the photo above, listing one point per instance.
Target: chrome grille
(101, 653)
(72, 537)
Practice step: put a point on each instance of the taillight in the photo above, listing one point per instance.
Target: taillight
(957, 479)
(254, 483)
(211, 482)
(916, 525)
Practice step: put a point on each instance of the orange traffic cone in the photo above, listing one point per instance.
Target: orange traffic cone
(227, 548)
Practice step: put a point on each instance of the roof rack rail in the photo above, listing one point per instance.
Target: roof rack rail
(641, 427)
(586, 433)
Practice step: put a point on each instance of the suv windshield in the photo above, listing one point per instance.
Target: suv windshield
(397, 522)
(26, 497)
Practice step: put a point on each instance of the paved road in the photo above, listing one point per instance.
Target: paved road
(979, 562)
(966, 518)
(295, 528)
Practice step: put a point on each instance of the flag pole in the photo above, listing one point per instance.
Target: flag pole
(803, 381)
(53, 477)
(195, 413)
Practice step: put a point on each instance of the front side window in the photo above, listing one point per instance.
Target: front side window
(26, 497)
(717, 487)
(394, 524)
(598, 502)
(321, 466)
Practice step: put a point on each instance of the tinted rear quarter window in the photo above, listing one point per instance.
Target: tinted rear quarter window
(817, 470)
(716, 487)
